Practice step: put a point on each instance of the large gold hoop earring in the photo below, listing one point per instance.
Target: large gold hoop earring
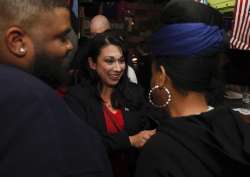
(150, 96)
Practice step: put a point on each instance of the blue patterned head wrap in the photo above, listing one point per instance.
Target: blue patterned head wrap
(187, 39)
(187, 44)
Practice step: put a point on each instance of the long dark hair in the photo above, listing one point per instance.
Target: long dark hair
(118, 97)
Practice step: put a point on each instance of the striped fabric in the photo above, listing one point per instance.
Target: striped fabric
(73, 6)
(240, 38)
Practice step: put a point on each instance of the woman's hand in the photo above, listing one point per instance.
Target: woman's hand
(138, 140)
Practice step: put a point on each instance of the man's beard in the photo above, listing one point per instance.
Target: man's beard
(49, 70)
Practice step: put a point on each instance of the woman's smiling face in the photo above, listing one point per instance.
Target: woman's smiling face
(110, 65)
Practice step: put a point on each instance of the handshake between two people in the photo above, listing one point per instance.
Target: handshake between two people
(138, 140)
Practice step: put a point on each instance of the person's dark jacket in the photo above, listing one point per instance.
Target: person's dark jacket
(212, 144)
(40, 136)
(85, 102)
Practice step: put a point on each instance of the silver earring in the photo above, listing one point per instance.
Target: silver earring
(150, 96)
(22, 50)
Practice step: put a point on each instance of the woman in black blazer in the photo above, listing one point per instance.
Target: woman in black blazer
(111, 104)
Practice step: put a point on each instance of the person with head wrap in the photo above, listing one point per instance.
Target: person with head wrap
(194, 139)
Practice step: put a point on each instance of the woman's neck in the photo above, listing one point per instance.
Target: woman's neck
(192, 104)
(106, 93)
(106, 97)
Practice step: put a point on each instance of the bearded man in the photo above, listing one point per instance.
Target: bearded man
(39, 135)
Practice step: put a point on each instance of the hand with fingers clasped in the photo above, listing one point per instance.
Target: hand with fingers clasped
(138, 140)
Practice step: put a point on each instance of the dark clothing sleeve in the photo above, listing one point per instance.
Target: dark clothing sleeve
(138, 114)
(148, 116)
(117, 141)
(151, 161)
(215, 143)
(41, 137)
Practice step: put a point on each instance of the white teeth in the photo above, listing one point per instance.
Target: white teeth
(118, 75)
(115, 76)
